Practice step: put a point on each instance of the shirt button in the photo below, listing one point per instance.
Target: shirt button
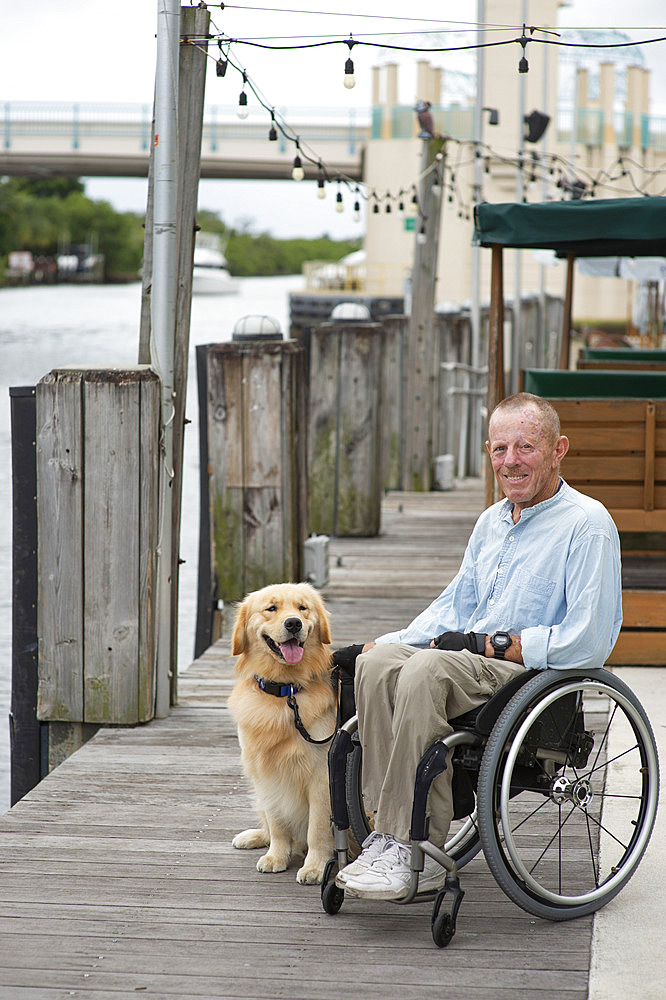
(500, 571)
(491, 601)
(510, 538)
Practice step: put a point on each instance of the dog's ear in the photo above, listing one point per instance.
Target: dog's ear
(239, 637)
(324, 623)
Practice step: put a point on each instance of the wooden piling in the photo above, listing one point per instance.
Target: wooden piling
(255, 428)
(345, 422)
(97, 512)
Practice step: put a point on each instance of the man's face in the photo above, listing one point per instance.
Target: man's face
(524, 456)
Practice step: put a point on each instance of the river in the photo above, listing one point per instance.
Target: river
(44, 327)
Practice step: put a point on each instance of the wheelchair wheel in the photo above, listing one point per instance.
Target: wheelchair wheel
(463, 843)
(568, 790)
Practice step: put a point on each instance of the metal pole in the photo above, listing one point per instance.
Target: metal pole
(165, 264)
(541, 345)
(471, 409)
(517, 338)
(477, 180)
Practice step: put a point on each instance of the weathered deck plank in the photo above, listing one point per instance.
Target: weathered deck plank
(118, 879)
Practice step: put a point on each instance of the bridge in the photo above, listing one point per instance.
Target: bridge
(113, 140)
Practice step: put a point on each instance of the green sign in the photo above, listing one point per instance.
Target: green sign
(410, 223)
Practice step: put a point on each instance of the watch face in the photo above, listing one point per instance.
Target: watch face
(501, 640)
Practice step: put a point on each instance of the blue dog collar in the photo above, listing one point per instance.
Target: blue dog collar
(277, 689)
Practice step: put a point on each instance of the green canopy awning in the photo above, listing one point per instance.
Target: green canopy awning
(630, 227)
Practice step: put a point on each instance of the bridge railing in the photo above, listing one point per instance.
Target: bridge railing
(84, 120)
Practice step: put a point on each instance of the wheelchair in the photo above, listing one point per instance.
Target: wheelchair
(555, 779)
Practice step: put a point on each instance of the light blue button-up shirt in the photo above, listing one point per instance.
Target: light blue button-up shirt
(554, 579)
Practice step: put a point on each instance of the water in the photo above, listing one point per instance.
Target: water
(43, 328)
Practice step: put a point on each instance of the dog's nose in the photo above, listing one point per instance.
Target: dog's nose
(293, 625)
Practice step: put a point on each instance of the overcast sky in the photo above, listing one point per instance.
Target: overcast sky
(104, 50)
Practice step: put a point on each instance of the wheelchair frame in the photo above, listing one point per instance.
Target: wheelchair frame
(533, 764)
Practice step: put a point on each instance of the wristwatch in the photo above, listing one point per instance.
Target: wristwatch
(500, 642)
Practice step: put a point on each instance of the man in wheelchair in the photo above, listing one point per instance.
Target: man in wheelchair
(539, 586)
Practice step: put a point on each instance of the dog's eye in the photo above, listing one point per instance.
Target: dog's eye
(272, 607)
(302, 607)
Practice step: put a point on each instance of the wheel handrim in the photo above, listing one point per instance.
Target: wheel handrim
(579, 791)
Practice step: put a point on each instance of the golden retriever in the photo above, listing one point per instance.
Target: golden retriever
(281, 638)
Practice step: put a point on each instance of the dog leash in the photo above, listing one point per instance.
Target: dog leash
(291, 701)
(288, 691)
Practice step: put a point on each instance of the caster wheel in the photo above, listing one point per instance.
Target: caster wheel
(443, 929)
(332, 898)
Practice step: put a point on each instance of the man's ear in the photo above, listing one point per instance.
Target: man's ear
(239, 637)
(561, 447)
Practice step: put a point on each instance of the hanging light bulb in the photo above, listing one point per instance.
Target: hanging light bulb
(339, 205)
(321, 190)
(388, 206)
(297, 171)
(349, 80)
(221, 64)
(523, 65)
(242, 110)
(414, 204)
(356, 216)
(421, 235)
(272, 135)
(401, 208)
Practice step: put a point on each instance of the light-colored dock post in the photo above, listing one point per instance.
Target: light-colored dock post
(256, 434)
(394, 380)
(345, 421)
(97, 508)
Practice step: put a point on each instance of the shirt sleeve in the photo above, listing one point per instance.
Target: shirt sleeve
(589, 629)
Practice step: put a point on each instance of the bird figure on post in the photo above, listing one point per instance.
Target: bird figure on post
(426, 121)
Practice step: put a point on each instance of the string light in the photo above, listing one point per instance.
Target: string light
(523, 65)
(222, 63)
(339, 204)
(242, 110)
(297, 171)
(349, 80)
(575, 186)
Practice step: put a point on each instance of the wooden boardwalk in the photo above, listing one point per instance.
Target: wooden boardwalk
(118, 879)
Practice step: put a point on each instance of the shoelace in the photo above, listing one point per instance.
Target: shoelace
(394, 856)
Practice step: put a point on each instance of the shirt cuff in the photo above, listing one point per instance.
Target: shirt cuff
(534, 646)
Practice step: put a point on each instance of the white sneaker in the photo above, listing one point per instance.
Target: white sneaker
(390, 875)
(372, 848)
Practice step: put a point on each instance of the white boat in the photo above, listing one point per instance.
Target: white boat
(210, 275)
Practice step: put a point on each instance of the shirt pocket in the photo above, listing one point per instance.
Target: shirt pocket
(533, 595)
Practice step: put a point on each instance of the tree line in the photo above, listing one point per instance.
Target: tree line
(45, 216)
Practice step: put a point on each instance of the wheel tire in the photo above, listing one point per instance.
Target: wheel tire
(332, 898)
(443, 929)
(540, 807)
(463, 844)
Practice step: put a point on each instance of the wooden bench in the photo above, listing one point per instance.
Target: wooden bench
(618, 455)
(601, 358)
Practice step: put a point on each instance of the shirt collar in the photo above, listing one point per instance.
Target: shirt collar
(506, 507)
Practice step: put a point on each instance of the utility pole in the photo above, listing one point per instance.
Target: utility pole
(173, 177)
(422, 355)
(164, 274)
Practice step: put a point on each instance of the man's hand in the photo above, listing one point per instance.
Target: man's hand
(345, 658)
(475, 642)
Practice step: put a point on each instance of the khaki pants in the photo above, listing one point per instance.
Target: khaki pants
(404, 699)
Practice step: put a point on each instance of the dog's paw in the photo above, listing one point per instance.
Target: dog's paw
(249, 839)
(272, 863)
(309, 875)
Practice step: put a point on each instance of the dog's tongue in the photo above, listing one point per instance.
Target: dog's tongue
(292, 652)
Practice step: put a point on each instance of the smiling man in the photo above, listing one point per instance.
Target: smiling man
(539, 586)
